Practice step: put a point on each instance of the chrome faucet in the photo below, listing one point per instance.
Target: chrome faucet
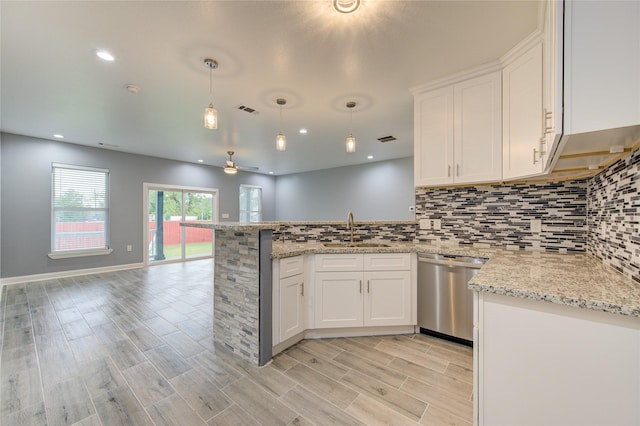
(351, 225)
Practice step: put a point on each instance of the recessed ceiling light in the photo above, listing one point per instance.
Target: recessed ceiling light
(270, 173)
(303, 131)
(346, 6)
(370, 157)
(200, 161)
(58, 136)
(103, 54)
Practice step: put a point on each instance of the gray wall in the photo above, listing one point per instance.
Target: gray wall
(25, 213)
(374, 191)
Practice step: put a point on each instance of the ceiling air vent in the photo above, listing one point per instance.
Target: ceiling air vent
(247, 109)
(387, 139)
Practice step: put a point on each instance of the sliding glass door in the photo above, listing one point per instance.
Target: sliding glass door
(166, 207)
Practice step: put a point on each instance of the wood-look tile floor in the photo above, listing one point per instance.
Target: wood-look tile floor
(136, 348)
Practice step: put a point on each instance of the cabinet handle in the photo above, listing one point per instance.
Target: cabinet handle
(302, 289)
(449, 170)
(368, 286)
(534, 156)
(457, 169)
(360, 286)
(548, 115)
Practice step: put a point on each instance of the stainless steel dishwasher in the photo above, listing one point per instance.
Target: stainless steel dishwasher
(445, 303)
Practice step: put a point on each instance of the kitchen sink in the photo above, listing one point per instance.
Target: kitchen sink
(346, 244)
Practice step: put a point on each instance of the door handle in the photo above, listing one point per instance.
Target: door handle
(449, 170)
(302, 289)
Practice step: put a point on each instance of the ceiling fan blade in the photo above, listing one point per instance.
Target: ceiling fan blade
(247, 168)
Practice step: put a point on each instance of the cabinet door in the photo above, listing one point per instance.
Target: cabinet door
(602, 65)
(552, 77)
(477, 130)
(338, 299)
(387, 298)
(291, 306)
(433, 132)
(522, 110)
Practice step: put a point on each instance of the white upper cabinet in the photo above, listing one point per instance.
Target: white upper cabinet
(522, 120)
(602, 65)
(458, 132)
(552, 77)
(433, 137)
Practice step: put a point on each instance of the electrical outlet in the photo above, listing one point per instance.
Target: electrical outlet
(129, 247)
(536, 226)
(225, 215)
(603, 230)
(436, 224)
(425, 224)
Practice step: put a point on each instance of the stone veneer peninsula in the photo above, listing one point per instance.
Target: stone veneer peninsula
(242, 288)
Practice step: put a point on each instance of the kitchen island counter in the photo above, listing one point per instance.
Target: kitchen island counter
(571, 279)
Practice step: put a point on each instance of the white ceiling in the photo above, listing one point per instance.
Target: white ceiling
(303, 51)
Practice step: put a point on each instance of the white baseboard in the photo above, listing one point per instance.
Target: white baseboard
(66, 274)
(320, 333)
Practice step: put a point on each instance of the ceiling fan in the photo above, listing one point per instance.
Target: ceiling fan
(232, 168)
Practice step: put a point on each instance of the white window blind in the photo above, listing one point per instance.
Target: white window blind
(79, 208)
(250, 203)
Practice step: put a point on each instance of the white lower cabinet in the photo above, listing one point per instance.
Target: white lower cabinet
(291, 306)
(539, 363)
(338, 299)
(288, 298)
(366, 296)
(387, 300)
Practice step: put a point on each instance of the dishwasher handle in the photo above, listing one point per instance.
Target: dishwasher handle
(451, 263)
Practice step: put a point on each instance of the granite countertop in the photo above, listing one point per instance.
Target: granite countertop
(234, 226)
(573, 279)
(248, 226)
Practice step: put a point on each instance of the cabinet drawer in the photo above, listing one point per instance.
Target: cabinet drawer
(387, 262)
(338, 262)
(290, 266)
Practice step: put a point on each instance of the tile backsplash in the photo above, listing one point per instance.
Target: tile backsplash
(613, 217)
(599, 215)
(337, 231)
(501, 215)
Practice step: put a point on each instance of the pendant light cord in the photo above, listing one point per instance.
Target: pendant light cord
(351, 121)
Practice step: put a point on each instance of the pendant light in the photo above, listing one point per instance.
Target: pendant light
(281, 140)
(351, 141)
(210, 113)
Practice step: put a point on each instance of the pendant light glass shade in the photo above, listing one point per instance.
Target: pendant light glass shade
(210, 118)
(230, 170)
(281, 142)
(351, 143)
(210, 113)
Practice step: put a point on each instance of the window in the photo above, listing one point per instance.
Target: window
(79, 210)
(250, 203)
